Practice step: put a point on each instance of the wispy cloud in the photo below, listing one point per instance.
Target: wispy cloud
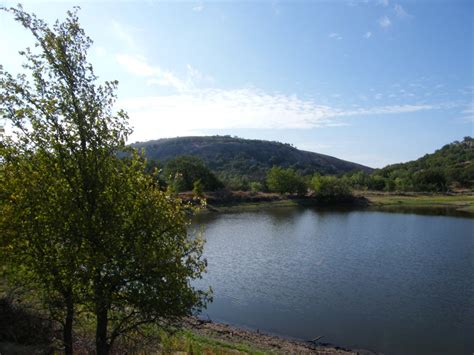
(248, 108)
(224, 109)
(383, 2)
(335, 35)
(276, 9)
(368, 34)
(400, 11)
(138, 66)
(100, 51)
(384, 22)
(198, 8)
(468, 113)
(124, 33)
(194, 108)
(391, 109)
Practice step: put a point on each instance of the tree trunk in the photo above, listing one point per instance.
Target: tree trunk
(67, 331)
(102, 347)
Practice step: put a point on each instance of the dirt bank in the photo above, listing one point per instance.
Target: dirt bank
(265, 342)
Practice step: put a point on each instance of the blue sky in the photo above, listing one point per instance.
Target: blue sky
(371, 81)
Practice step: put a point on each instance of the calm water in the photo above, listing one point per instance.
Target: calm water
(388, 282)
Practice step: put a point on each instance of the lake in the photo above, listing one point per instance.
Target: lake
(395, 283)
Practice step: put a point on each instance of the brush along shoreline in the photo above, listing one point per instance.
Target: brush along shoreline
(461, 204)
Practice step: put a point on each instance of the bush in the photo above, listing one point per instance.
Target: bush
(433, 180)
(256, 186)
(184, 171)
(285, 181)
(21, 326)
(330, 188)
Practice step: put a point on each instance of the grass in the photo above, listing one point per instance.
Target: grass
(190, 343)
(461, 203)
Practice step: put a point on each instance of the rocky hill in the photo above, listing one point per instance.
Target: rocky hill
(231, 157)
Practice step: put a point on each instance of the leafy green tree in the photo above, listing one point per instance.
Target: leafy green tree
(39, 247)
(359, 180)
(285, 181)
(256, 186)
(197, 188)
(376, 182)
(155, 169)
(183, 171)
(430, 180)
(330, 188)
(90, 231)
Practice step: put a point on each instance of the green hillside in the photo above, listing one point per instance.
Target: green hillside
(234, 158)
(448, 168)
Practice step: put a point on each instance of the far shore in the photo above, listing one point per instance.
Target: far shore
(461, 204)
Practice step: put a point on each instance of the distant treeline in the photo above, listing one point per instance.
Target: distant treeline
(449, 168)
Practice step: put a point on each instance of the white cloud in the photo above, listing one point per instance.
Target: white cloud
(218, 109)
(400, 11)
(198, 8)
(100, 51)
(384, 22)
(392, 109)
(276, 8)
(368, 34)
(138, 66)
(124, 33)
(383, 2)
(469, 113)
(224, 109)
(353, 3)
(193, 111)
(335, 35)
(155, 75)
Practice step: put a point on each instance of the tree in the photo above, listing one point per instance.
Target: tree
(38, 244)
(90, 231)
(184, 171)
(197, 188)
(285, 181)
(359, 180)
(330, 188)
(376, 182)
(430, 180)
(256, 186)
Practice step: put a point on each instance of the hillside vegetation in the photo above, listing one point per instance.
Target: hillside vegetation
(237, 160)
(450, 168)
(241, 164)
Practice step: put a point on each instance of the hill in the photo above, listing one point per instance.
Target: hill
(236, 158)
(450, 167)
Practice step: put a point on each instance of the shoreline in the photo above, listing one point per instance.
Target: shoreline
(450, 204)
(262, 342)
(424, 203)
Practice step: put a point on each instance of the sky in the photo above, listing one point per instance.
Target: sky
(372, 81)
